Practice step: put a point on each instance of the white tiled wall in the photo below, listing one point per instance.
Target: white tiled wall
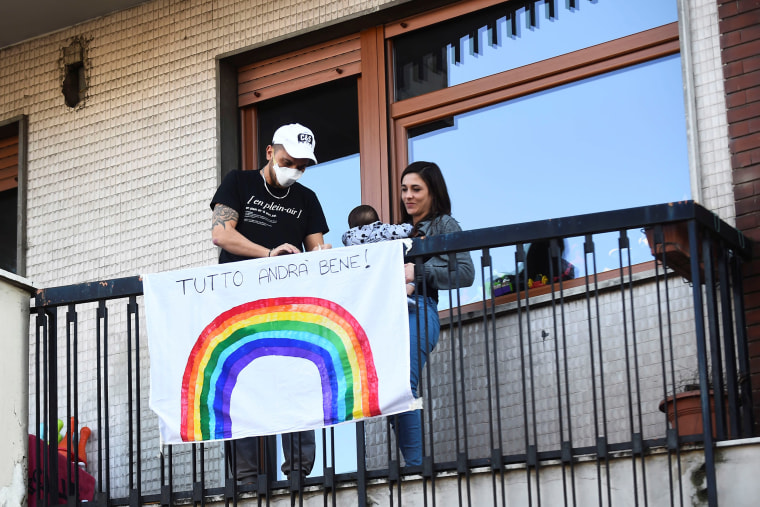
(121, 184)
(707, 71)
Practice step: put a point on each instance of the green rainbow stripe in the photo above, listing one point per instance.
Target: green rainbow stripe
(314, 329)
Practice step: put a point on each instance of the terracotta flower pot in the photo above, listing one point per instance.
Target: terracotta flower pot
(689, 412)
(675, 245)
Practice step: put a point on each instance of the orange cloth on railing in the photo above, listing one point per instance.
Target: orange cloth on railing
(83, 436)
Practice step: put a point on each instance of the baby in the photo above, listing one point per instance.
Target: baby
(365, 227)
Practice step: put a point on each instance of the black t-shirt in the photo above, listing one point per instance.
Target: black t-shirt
(266, 220)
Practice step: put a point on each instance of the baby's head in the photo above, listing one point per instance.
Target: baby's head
(362, 215)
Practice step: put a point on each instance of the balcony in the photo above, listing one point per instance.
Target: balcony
(541, 390)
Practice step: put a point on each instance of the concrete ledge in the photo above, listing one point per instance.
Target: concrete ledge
(15, 293)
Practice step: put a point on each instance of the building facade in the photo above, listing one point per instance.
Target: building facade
(119, 129)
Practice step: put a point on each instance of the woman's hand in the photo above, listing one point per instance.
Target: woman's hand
(409, 272)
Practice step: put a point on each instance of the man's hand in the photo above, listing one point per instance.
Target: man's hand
(284, 249)
(321, 246)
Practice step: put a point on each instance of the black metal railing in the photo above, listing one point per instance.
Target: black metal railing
(555, 365)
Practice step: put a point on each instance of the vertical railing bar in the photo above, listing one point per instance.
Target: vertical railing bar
(588, 247)
(171, 475)
(202, 448)
(603, 442)
(658, 247)
(130, 417)
(427, 461)
(324, 465)
(714, 341)
(38, 477)
(361, 465)
(639, 443)
(554, 256)
(47, 429)
(71, 320)
(498, 394)
(567, 390)
(716, 349)
(523, 286)
(334, 492)
(230, 473)
(742, 347)
(136, 316)
(532, 450)
(52, 402)
(462, 460)
(729, 343)
(393, 465)
(194, 472)
(485, 262)
(106, 411)
(99, 394)
(67, 417)
(393, 471)
(456, 405)
(629, 384)
(712, 496)
(162, 474)
(270, 475)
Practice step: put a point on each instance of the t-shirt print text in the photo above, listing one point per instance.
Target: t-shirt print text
(257, 209)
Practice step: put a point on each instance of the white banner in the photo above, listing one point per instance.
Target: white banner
(277, 345)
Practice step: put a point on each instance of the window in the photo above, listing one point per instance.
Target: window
(12, 217)
(533, 109)
(532, 117)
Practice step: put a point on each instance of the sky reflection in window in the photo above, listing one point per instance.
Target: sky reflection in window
(610, 142)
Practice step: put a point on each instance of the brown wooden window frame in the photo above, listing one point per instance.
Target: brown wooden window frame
(13, 162)
(560, 70)
(361, 55)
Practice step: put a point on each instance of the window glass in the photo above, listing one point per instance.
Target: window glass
(610, 142)
(8, 225)
(337, 184)
(508, 36)
(331, 111)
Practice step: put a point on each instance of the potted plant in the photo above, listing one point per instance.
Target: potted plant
(675, 246)
(686, 407)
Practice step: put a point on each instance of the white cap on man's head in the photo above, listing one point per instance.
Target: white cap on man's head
(297, 140)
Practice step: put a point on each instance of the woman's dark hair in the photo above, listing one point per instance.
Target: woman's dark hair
(433, 178)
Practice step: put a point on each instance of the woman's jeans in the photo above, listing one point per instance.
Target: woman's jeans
(424, 329)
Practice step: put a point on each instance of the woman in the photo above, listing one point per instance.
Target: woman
(427, 206)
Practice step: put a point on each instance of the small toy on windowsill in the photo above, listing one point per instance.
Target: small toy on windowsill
(537, 281)
(504, 284)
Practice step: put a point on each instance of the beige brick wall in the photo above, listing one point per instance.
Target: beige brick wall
(120, 185)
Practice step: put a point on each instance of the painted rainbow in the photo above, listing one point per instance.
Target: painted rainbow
(314, 329)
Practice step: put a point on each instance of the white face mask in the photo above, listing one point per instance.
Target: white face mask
(286, 176)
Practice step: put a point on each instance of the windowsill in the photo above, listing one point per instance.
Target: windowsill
(543, 295)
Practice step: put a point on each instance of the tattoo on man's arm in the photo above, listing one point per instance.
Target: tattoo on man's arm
(223, 214)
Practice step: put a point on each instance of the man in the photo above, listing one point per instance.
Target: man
(265, 213)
